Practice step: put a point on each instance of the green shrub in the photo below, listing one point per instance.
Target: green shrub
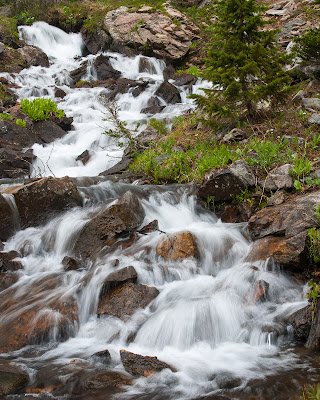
(41, 109)
(311, 393)
(5, 117)
(160, 126)
(308, 45)
(21, 122)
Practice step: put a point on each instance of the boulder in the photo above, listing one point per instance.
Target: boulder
(102, 356)
(96, 40)
(288, 219)
(126, 299)
(290, 252)
(301, 322)
(12, 381)
(104, 69)
(169, 93)
(138, 365)
(48, 131)
(59, 93)
(313, 103)
(7, 262)
(234, 213)
(185, 79)
(15, 164)
(116, 278)
(34, 56)
(84, 157)
(235, 135)
(7, 219)
(146, 65)
(108, 380)
(70, 264)
(152, 34)
(279, 179)
(124, 216)
(78, 73)
(17, 113)
(120, 167)
(152, 110)
(33, 317)
(313, 341)
(53, 194)
(227, 181)
(178, 246)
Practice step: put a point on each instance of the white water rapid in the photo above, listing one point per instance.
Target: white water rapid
(204, 322)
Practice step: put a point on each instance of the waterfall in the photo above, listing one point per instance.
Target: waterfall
(204, 322)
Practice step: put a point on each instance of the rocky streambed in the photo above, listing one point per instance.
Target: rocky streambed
(115, 289)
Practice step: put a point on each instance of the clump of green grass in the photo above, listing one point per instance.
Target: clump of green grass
(41, 109)
(21, 122)
(5, 117)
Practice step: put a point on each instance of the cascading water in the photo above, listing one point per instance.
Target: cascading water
(204, 322)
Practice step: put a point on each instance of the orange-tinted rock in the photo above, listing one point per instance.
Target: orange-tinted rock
(35, 317)
(288, 219)
(151, 227)
(43, 199)
(109, 379)
(289, 252)
(178, 246)
(126, 300)
(138, 365)
(116, 278)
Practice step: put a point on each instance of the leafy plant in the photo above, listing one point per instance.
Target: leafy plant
(21, 122)
(243, 63)
(160, 126)
(41, 109)
(5, 117)
(302, 167)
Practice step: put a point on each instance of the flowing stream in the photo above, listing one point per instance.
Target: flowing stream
(205, 322)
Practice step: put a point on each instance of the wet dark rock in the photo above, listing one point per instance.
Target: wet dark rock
(7, 222)
(7, 262)
(116, 278)
(96, 40)
(109, 379)
(138, 365)
(153, 102)
(288, 219)
(152, 110)
(104, 69)
(178, 246)
(301, 321)
(34, 56)
(234, 213)
(121, 166)
(84, 157)
(260, 293)
(168, 72)
(8, 97)
(54, 194)
(169, 93)
(102, 356)
(17, 113)
(145, 65)
(11, 381)
(227, 181)
(64, 123)
(313, 341)
(185, 80)
(126, 300)
(32, 316)
(70, 264)
(290, 252)
(227, 381)
(59, 93)
(15, 163)
(123, 217)
(151, 227)
(78, 73)
(123, 85)
(48, 131)
(16, 136)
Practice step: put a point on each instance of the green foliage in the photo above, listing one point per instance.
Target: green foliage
(5, 117)
(41, 109)
(243, 197)
(120, 132)
(24, 18)
(307, 46)
(243, 63)
(21, 122)
(313, 239)
(313, 393)
(158, 125)
(302, 167)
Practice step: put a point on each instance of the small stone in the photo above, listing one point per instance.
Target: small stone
(178, 246)
(297, 98)
(1, 47)
(312, 103)
(277, 199)
(314, 119)
(235, 134)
